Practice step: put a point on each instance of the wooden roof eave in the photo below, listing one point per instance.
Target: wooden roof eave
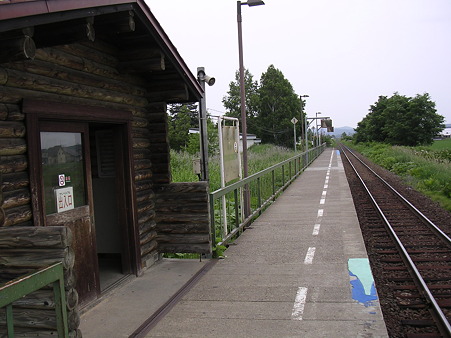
(31, 13)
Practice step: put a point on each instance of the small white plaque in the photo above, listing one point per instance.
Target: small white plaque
(64, 199)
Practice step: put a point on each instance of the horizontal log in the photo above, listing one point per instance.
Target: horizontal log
(61, 87)
(184, 187)
(14, 181)
(22, 332)
(40, 319)
(159, 148)
(144, 196)
(142, 164)
(146, 238)
(44, 299)
(16, 198)
(12, 129)
(150, 64)
(59, 237)
(148, 247)
(182, 219)
(186, 228)
(45, 69)
(144, 206)
(158, 116)
(162, 178)
(16, 216)
(183, 238)
(185, 207)
(8, 273)
(37, 258)
(139, 143)
(141, 133)
(143, 186)
(11, 112)
(12, 164)
(171, 197)
(142, 153)
(185, 248)
(158, 127)
(159, 138)
(146, 216)
(99, 52)
(12, 146)
(139, 122)
(147, 226)
(142, 175)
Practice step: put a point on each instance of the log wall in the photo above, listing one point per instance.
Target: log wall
(79, 74)
(27, 249)
(183, 221)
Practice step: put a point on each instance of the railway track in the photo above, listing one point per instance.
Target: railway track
(412, 254)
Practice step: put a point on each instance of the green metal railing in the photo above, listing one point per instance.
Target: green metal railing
(226, 210)
(22, 286)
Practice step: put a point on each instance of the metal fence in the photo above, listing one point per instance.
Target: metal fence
(20, 287)
(226, 204)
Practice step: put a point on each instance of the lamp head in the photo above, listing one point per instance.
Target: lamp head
(252, 3)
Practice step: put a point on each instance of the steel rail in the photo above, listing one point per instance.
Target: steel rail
(438, 311)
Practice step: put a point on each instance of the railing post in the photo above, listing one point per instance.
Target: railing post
(259, 197)
(10, 320)
(237, 220)
(60, 303)
(212, 221)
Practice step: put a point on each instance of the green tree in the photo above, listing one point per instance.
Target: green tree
(232, 101)
(193, 146)
(278, 104)
(401, 120)
(181, 118)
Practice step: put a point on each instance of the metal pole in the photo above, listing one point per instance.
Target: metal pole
(306, 138)
(203, 128)
(294, 131)
(243, 109)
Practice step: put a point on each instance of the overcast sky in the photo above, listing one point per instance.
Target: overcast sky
(343, 54)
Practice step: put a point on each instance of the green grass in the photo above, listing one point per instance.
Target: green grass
(259, 157)
(441, 145)
(427, 169)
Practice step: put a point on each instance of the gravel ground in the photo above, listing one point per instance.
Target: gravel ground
(441, 217)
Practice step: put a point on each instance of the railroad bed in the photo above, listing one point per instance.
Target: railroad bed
(409, 253)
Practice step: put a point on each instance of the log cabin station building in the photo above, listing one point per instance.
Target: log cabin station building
(84, 153)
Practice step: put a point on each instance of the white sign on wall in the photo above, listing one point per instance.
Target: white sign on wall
(64, 199)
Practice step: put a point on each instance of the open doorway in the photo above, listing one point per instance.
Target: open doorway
(108, 186)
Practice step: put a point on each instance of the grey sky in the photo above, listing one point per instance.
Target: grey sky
(343, 54)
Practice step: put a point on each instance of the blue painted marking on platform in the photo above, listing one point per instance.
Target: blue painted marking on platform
(338, 152)
(363, 289)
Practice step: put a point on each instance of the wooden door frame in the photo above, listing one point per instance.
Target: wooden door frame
(36, 111)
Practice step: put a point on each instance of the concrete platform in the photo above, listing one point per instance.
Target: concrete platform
(301, 270)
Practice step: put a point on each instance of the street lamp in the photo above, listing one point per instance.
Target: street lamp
(303, 119)
(250, 3)
(203, 78)
(317, 129)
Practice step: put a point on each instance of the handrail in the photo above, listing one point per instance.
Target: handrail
(22, 286)
(300, 161)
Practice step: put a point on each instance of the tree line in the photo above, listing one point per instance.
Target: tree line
(271, 103)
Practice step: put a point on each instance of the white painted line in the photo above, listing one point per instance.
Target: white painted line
(299, 303)
(327, 181)
(324, 193)
(326, 186)
(322, 201)
(327, 177)
(320, 212)
(316, 229)
(309, 256)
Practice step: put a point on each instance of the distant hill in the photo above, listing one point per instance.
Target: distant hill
(338, 131)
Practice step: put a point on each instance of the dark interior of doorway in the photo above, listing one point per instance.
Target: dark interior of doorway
(106, 171)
